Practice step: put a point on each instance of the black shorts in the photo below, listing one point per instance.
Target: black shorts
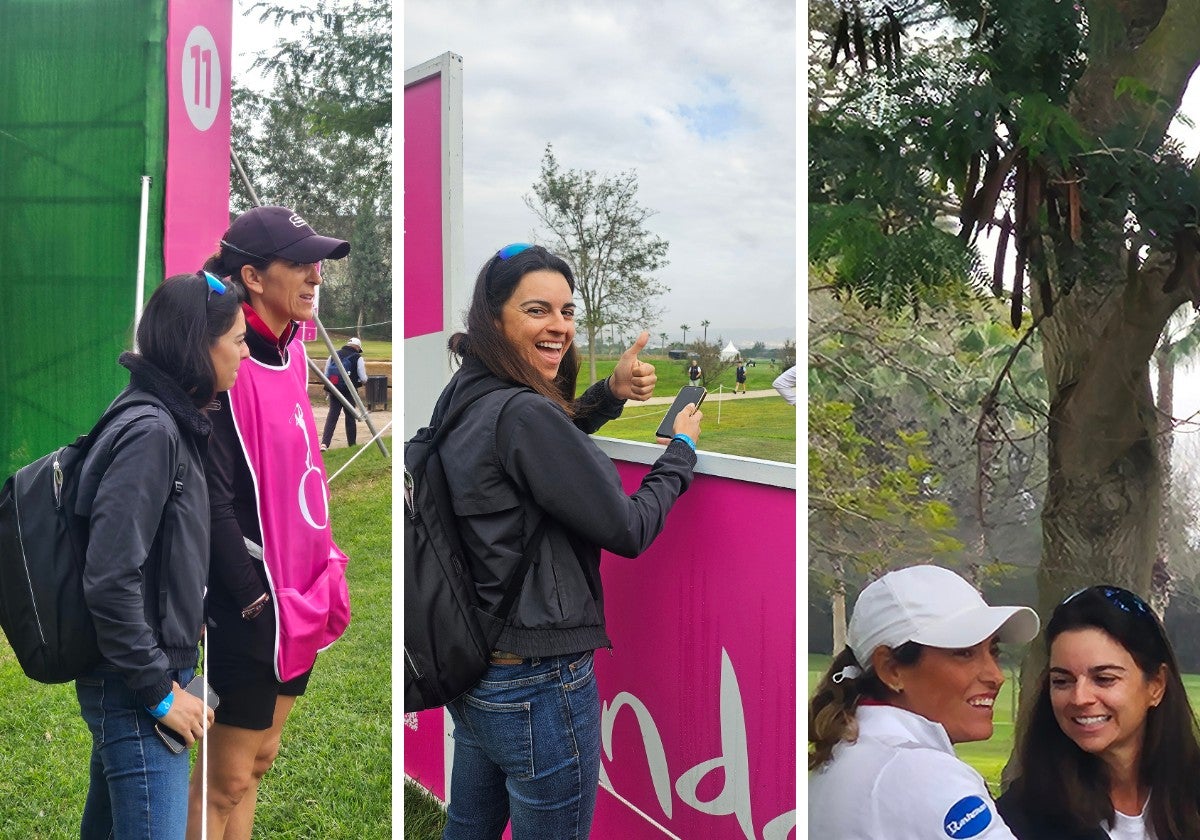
(248, 690)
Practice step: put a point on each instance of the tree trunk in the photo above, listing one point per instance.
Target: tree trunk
(1160, 577)
(838, 599)
(591, 334)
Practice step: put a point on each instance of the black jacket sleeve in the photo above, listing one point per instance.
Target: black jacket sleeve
(139, 473)
(231, 568)
(595, 407)
(569, 477)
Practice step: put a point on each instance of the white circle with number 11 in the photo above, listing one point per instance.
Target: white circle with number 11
(201, 78)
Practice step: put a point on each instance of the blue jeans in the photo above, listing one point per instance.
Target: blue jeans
(527, 748)
(138, 789)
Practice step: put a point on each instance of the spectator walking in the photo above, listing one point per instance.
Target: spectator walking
(351, 356)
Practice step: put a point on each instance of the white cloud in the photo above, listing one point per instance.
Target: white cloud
(697, 96)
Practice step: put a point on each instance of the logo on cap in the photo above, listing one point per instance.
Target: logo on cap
(967, 817)
(297, 221)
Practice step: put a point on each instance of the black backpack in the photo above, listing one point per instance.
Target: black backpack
(43, 545)
(349, 362)
(448, 637)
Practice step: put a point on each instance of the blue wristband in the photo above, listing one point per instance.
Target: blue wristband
(681, 436)
(164, 706)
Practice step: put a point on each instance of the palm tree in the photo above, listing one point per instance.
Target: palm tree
(705, 325)
(663, 336)
(685, 328)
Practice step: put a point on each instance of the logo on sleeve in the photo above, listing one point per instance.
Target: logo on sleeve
(967, 817)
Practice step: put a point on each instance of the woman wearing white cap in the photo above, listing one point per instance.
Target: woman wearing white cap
(919, 674)
(1111, 748)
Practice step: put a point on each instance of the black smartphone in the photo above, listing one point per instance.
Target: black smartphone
(687, 394)
(170, 737)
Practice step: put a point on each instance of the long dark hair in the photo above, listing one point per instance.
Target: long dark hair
(1064, 784)
(181, 322)
(831, 712)
(484, 340)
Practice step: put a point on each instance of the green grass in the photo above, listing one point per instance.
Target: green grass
(753, 427)
(373, 350)
(333, 775)
(989, 757)
(758, 427)
(424, 817)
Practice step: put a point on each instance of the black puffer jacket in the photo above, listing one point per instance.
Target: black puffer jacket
(509, 468)
(147, 558)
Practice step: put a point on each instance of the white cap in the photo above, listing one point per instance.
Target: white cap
(932, 606)
(354, 342)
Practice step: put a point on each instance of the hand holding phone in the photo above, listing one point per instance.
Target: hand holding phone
(174, 741)
(688, 395)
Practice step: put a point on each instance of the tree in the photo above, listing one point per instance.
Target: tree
(663, 336)
(320, 142)
(685, 328)
(1048, 129)
(705, 325)
(596, 221)
(921, 380)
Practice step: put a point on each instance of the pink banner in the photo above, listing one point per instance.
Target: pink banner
(423, 301)
(698, 718)
(196, 200)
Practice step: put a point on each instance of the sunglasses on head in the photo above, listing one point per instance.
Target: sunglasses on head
(505, 253)
(1118, 597)
(215, 285)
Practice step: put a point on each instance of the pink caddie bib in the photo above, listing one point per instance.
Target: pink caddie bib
(305, 569)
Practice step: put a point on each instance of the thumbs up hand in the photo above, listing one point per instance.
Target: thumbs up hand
(633, 379)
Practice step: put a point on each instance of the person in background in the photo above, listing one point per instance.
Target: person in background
(694, 372)
(1111, 748)
(519, 461)
(144, 479)
(920, 673)
(785, 384)
(740, 376)
(277, 583)
(351, 356)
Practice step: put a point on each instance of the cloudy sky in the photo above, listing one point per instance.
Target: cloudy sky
(697, 96)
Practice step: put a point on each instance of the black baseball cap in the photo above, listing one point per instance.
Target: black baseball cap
(270, 232)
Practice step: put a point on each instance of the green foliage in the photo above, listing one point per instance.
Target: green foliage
(595, 221)
(321, 142)
(894, 411)
(868, 500)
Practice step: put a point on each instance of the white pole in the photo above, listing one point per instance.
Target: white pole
(140, 295)
(720, 392)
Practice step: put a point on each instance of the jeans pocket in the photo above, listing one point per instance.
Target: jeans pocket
(506, 731)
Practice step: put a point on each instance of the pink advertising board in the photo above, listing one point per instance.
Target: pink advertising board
(698, 720)
(196, 199)
(423, 242)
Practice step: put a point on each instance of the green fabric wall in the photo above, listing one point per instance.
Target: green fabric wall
(82, 118)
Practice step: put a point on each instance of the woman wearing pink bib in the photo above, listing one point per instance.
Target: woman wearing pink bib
(277, 586)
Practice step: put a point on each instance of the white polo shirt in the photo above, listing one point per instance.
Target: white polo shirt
(901, 781)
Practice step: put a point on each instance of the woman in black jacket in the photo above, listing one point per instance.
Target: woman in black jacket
(142, 484)
(1111, 747)
(519, 462)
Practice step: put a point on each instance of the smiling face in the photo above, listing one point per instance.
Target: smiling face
(1099, 695)
(227, 354)
(956, 688)
(538, 320)
(284, 291)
